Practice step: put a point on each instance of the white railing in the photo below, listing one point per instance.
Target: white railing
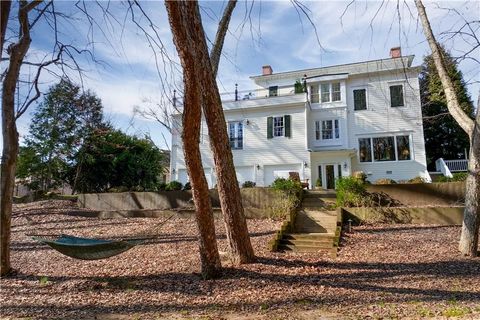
(457, 165)
(443, 168)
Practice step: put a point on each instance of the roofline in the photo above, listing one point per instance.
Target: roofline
(409, 57)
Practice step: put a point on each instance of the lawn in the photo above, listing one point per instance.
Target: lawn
(389, 271)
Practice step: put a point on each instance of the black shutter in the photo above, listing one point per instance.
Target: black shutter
(287, 121)
(270, 127)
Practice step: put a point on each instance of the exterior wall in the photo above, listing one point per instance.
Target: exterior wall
(380, 119)
(260, 156)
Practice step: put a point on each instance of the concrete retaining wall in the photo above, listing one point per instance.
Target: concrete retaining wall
(414, 215)
(423, 194)
(258, 198)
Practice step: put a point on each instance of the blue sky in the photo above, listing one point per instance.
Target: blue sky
(263, 32)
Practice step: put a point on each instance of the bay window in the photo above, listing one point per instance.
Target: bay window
(388, 148)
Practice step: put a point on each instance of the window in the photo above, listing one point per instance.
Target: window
(403, 147)
(235, 135)
(360, 99)
(396, 96)
(325, 92)
(336, 96)
(330, 129)
(384, 149)
(273, 91)
(314, 94)
(365, 149)
(278, 126)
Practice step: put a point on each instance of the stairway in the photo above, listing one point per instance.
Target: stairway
(315, 226)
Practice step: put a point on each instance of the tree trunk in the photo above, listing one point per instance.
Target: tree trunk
(471, 219)
(181, 22)
(10, 134)
(4, 13)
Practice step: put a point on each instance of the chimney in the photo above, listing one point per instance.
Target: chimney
(396, 52)
(267, 70)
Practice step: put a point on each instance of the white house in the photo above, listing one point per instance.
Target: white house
(363, 116)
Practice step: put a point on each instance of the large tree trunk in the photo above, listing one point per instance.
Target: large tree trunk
(227, 184)
(182, 22)
(10, 134)
(471, 218)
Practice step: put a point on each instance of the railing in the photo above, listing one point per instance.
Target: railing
(442, 167)
(457, 165)
(273, 91)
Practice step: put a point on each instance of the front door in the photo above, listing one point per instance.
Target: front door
(330, 176)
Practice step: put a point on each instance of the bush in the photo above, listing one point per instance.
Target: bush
(385, 181)
(360, 175)
(351, 192)
(248, 184)
(318, 183)
(173, 185)
(416, 180)
(161, 186)
(187, 186)
(457, 176)
(291, 194)
(288, 185)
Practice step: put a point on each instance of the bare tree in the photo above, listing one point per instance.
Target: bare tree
(471, 219)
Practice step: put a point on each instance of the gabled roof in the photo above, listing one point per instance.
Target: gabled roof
(349, 68)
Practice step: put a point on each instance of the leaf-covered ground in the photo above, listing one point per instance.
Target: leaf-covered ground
(382, 271)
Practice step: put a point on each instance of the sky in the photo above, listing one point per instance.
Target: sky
(135, 65)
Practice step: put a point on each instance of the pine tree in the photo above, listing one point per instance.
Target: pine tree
(444, 138)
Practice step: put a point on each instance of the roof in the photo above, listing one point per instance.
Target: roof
(350, 68)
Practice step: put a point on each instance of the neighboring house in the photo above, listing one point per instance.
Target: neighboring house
(363, 116)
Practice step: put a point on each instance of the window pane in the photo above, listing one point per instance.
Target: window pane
(336, 91)
(360, 99)
(317, 130)
(327, 130)
(396, 96)
(384, 149)
(278, 126)
(403, 147)
(273, 91)
(337, 130)
(314, 96)
(365, 149)
(325, 88)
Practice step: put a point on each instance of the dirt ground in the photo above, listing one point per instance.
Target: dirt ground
(381, 272)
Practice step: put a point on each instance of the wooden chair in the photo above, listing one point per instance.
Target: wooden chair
(295, 176)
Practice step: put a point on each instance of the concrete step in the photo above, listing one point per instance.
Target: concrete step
(324, 244)
(309, 236)
(319, 194)
(331, 251)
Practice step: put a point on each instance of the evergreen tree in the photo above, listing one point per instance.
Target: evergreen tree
(59, 125)
(110, 158)
(444, 138)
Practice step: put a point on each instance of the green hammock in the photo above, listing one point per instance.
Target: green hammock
(87, 248)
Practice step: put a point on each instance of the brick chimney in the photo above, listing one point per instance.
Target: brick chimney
(396, 52)
(267, 70)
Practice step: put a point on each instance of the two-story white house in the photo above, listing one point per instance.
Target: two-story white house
(324, 123)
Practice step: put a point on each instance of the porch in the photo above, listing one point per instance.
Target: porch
(329, 165)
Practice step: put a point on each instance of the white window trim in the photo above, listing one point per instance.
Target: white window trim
(236, 122)
(330, 95)
(273, 127)
(410, 145)
(397, 83)
(366, 98)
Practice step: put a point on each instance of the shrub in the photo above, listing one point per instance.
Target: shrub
(416, 180)
(385, 181)
(161, 186)
(291, 194)
(351, 192)
(173, 185)
(187, 186)
(288, 185)
(318, 183)
(360, 175)
(248, 184)
(457, 176)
